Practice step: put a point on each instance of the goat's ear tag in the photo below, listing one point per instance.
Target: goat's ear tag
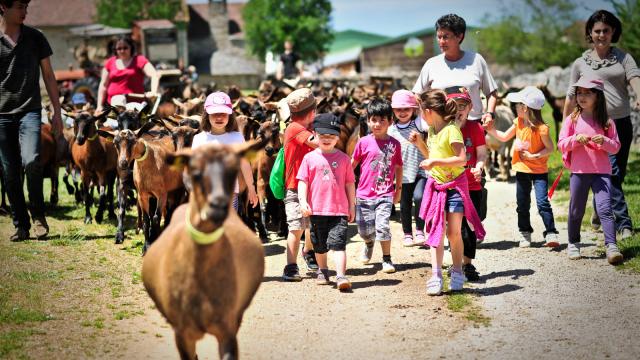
(109, 140)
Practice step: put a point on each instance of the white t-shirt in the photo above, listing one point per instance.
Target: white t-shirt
(229, 138)
(471, 71)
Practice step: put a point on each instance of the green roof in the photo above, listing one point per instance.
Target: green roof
(417, 33)
(345, 40)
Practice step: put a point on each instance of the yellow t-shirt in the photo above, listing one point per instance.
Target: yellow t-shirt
(440, 148)
(530, 139)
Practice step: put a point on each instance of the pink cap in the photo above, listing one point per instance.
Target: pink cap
(403, 99)
(218, 102)
(588, 81)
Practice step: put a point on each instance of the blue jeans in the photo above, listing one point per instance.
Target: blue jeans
(411, 199)
(20, 149)
(523, 198)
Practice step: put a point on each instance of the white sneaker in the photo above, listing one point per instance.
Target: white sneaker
(573, 251)
(552, 240)
(366, 253)
(525, 239)
(387, 267)
(456, 282)
(625, 233)
(434, 286)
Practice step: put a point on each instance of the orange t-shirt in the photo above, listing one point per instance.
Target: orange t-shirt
(529, 138)
(295, 149)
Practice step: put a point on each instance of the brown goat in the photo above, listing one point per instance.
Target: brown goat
(151, 176)
(96, 159)
(48, 145)
(206, 266)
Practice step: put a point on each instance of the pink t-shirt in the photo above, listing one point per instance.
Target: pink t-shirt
(591, 158)
(327, 176)
(378, 160)
(127, 80)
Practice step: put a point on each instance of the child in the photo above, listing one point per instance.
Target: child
(476, 150)
(405, 107)
(446, 195)
(381, 164)
(326, 180)
(587, 138)
(531, 153)
(298, 141)
(219, 126)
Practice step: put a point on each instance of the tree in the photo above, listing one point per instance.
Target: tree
(268, 23)
(546, 34)
(122, 13)
(628, 12)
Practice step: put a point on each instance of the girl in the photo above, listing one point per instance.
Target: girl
(405, 107)
(446, 193)
(587, 138)
(219, 126)
(531, 152)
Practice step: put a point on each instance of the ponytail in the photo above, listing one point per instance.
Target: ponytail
(436, 100)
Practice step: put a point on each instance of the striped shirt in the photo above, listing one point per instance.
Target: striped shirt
(411, 156)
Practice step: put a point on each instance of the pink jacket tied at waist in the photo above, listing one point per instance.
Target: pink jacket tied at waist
(433, 204)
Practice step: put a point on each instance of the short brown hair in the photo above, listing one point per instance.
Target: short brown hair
(232, 125)
(9, 3)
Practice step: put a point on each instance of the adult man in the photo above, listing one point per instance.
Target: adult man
(24, 51)
(290, 66)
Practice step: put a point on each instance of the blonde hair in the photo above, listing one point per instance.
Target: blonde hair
(436, 100)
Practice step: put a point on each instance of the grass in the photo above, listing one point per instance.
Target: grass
(461, 302)
(630, 247)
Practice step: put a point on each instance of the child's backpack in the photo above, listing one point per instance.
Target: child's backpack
(277, 178)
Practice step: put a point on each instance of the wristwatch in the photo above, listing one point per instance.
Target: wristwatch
(493, 115)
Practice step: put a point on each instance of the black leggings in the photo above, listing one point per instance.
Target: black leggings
(469, 236)
(412, 195)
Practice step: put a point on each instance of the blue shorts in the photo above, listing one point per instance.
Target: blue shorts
(454, 202)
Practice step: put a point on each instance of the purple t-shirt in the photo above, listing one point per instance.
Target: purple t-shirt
(378, 160)
(327, 176)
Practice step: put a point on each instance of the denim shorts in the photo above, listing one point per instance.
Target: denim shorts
(328, 233)
(454, 202)
(372, 217)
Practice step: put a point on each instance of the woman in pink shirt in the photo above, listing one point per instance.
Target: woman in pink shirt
(587, 138)
(124, 73)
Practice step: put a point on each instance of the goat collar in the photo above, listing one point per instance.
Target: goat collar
(145, 154)
(95, 136)
(200, 237)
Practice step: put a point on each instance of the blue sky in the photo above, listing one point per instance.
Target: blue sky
(396, 17)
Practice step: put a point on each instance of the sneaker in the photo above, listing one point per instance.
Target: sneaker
(456, 282)
(470, 272)
(20, 235)
(343, 283)
(291, 273)
(407, 240)
(595, 221)
(434, 286)
(551, 240)
(420, 238)
(525, 239)
(625, 233)
(614, 256)
(310, 259)
(366, 252)
(323, 277)
(40, 228)
(573, 251)
(387, 267)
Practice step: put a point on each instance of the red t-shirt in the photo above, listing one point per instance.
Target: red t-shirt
(127, 80)
(294, 151)
(473, 136)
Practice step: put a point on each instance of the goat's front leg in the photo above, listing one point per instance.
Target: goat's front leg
(186, 345)
(88, 198)
(122, 209)
(102, 202)
(228, 347)
(53, 200)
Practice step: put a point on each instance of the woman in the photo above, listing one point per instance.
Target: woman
(457, 67)
(124, 73)
(616, 69)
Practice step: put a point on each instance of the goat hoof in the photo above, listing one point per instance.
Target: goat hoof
(119, 238)
(87, 220)
(53, 201)
(70, 190)
(264, 239)
(112, 216)
(99, 219)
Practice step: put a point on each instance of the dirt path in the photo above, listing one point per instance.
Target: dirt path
(540, 304)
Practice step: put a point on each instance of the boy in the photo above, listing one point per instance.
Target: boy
(298, 141)
(380, 160)
(326, 179)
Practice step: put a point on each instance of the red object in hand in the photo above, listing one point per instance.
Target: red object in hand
(555, 184)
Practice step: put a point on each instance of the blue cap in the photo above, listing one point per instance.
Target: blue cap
(78, 99)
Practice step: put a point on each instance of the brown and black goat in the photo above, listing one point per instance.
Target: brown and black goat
(206, 266)
(96, 158)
